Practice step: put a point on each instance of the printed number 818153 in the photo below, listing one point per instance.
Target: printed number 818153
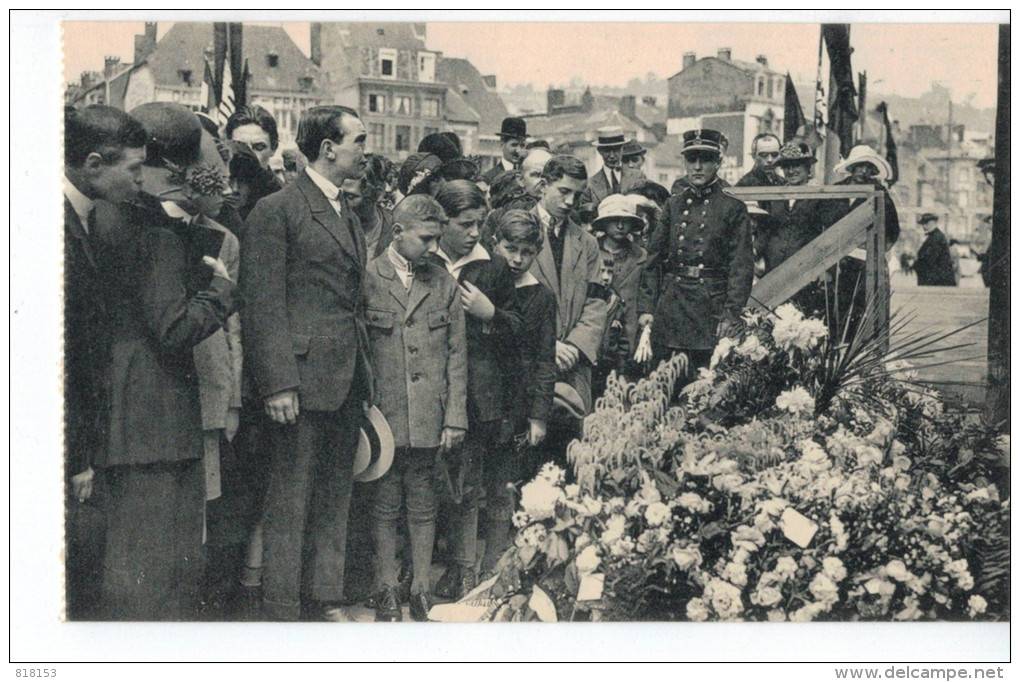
(35, 672)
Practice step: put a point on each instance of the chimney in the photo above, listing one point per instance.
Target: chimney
(724, 54)
(689, 59)
(763, 60)
(490, 83)
(315, 44)
(110, 67)
(628, 106)
(553, 99)
(145, 43)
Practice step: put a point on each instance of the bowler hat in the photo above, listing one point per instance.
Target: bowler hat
(445, 145)
(175, 133)
(927, 218)
(537, 144)
(795, 153)
(610, 136)
(513, 128)
(632, 148)
(375, 447)
(704, 139)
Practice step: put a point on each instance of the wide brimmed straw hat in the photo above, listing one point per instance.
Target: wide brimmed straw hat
(862, 153)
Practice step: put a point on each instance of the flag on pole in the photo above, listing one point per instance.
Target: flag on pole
(842, 102)
(862, 105)
(229, 77)
(794, 123)
(890, 144)
(208, 94)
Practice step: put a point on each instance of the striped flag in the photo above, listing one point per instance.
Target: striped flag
(226, 106)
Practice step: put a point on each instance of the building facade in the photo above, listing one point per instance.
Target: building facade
(739, 99)
(281, 79)
(385, 72)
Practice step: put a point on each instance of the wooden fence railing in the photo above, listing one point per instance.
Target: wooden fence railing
(864, 227)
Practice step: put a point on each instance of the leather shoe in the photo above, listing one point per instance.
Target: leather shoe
(448, 584)
(468, 582)
(387, 606)
(329, 612)
(420, 605)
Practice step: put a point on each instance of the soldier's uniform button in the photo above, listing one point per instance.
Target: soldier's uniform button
(701, 280)
(690, 201)
(706, 202)
(686, 212)
(413, 350)
(409, 323)
(415, 378)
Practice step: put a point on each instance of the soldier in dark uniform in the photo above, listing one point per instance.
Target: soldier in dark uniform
(701, 265)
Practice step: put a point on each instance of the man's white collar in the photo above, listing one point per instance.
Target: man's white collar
(331, 191)
(79, 202)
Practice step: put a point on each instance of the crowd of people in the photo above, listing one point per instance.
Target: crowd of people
(229, 330)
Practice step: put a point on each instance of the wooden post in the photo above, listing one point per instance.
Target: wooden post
(998, 254)
(878, 269)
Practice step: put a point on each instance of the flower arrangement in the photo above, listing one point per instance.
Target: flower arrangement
(777, 490)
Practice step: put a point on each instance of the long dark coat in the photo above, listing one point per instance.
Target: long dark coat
(699, 227)
(86, 349)
(487, 361)
(302, 274)
(934, 264)
(162, 302)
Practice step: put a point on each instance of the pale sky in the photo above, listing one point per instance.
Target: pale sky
(901, 59)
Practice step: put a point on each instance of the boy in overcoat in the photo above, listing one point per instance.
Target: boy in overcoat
(419, 359)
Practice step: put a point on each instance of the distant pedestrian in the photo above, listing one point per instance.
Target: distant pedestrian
(934, 264)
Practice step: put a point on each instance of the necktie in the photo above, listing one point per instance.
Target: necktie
(616, 182)
(91, 223)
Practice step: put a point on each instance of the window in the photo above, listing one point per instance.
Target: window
(430, 108)
(427, 67)
(377, 103)
(272, 60)
(376, 137)
(388, 63)
(306, 83)
(185, 75)
(761, 86)
(770, 90)
(402, 105)
(428, 130)
(402, 143)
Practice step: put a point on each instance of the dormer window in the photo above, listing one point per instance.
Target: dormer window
(306, 83)
(185, 75)
(272, 60)
(388, 63)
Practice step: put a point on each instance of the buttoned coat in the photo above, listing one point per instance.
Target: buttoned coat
(598, 187)
(162, 302)
(302, 275)
(418, 349)
(86, 349)
(703, 229)
(580, 300)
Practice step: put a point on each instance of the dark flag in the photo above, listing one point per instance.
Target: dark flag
(230, 78)
(794, 123)
(890, 143)
(843, 101)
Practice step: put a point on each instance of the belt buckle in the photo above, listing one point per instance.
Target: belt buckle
(692, 272)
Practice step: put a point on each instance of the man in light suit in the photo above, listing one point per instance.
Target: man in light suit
(572, 269)
(302, 272)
